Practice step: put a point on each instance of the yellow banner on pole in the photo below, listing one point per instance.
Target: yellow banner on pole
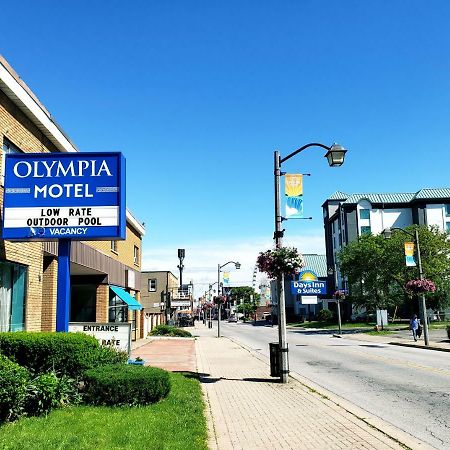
(293, 184)
(409, 254)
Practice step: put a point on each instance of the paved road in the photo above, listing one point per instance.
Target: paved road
(407, 387)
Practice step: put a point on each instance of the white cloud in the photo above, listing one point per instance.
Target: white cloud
(202, 258)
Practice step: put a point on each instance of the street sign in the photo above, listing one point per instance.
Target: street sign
(51, 196)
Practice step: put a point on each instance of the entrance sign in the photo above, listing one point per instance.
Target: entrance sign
(308, 284)
(114, 335)
(52, 196)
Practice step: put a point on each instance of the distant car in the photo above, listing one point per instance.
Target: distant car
(232, 319)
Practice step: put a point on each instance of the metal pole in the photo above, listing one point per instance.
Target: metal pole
(218, 300)
(63, 289)
(284, 364)
(423, 303)
(339, 315)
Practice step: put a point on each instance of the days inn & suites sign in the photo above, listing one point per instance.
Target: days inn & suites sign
(64, 196)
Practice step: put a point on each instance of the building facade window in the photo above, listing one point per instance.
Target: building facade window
(114, 246)
(364, 214)
(7, 149)
(136, 255)
(152, 285)
(366, 229)
(118, 309)
(448, 226)
(12, 296)
(447, 210)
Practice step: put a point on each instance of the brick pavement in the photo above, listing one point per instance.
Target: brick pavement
(248, 409)
(174, 354)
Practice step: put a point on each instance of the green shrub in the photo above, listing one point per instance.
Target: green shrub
(48, 391)
(168, 330)
(13, 389)
(125, 385)
(65, 353)
(325, 315)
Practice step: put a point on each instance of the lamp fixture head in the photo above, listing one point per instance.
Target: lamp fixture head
(387, 233)
(335, 155)
(237, 265)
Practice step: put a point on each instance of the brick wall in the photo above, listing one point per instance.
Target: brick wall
(49, 288)
(102, 303)
(18, 129)
(125, 249)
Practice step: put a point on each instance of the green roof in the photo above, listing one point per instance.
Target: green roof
(425, 194)
(397, 197)
(338, 195)
(316, 263)
(381, 198)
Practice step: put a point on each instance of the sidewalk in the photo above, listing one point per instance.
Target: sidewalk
(250, 410)
(247, 409)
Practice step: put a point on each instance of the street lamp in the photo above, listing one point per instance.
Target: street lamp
(335, 156)
(238, 266)
(387, 233)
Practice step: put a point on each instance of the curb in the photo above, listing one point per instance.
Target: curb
(405, 344)
(396, 434)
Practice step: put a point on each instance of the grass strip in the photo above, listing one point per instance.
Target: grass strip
(177, 423)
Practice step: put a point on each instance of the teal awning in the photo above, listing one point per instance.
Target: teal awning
(132, 303)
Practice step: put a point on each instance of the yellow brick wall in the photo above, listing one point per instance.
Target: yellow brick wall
(15, 126)
(125, 249)
(49, 290)
(102, 303)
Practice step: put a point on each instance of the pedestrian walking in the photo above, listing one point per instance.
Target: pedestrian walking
(414, 326)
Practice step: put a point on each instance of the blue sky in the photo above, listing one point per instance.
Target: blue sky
(198, 95)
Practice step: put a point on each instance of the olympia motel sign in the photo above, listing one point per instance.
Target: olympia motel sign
(52, 196)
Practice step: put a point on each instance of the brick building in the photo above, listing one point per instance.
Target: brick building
(28, 270)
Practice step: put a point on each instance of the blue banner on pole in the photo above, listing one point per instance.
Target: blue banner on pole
(51, 196)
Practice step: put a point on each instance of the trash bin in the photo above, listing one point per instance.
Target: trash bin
(274, 351)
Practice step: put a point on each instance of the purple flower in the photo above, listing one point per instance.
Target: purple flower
(420, 286)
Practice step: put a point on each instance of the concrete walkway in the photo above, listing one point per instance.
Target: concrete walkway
(250, 410)
(247, 409)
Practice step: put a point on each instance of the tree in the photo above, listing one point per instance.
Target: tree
(377, 274)
(248, 298)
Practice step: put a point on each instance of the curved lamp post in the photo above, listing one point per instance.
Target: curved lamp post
(335, 156)
(238, 266)
(387, 233)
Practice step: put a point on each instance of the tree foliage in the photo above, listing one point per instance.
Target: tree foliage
(248, 298)
(377, 274)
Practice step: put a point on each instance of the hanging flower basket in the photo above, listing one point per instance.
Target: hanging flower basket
(281, 261)
(220, 299)
(420, 286)
(339, 295)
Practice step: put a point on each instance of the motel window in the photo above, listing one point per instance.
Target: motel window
(8, 148)
(136, 255)
(448, 226)
(447, 210)
(114, 246)
(364, 214)
(12, 296)
(152, 285)
(118, 309)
